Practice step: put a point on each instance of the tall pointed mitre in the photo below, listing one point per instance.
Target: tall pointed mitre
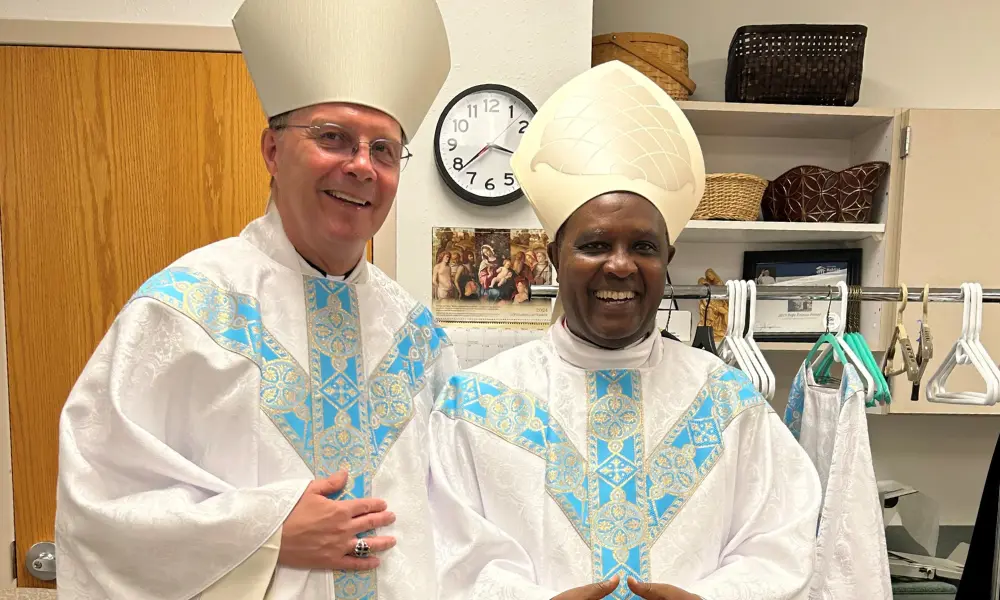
(391, 55)
(610, 129)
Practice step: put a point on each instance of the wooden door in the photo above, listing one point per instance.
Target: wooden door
(950, 216)
(113, 164)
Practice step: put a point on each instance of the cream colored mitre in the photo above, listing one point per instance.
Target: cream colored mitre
(610, 129)
(391, 55)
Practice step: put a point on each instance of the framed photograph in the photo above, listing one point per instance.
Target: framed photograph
(798, 320)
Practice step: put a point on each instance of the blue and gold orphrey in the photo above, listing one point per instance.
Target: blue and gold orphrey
(618, 498)
(617, 491)
(333, 415)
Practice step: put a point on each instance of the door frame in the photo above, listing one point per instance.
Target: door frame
(114, 35)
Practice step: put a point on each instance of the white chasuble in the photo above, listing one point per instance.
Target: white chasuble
(229, 382)
(557, 464)
(832, 426)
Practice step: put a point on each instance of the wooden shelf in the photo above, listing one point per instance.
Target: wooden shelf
(781, 120)
(772, 232)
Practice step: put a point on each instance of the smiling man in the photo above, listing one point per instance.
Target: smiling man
(255, 421)
(605, 460)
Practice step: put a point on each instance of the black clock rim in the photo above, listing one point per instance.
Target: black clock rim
(461, 192)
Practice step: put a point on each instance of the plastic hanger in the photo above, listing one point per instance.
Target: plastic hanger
(769, 383)
(670, 311)
(965, 352)
(864, 352)
(845, 354)
(741, 318)
(977, 290)
(900, 338)
(731, 348)
(925, 345)
(925, 342)
(980, 358)
(857, 342)
(826, 342)
(704, 335)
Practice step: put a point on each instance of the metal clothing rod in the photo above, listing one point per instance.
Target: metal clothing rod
(788, 292)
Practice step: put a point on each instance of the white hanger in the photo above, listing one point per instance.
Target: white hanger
(741, 319)
(977, 289)
(859, 365)
(730, 348)
(965, 351)
(768, 381)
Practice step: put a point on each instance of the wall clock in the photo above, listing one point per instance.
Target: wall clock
(476, 135)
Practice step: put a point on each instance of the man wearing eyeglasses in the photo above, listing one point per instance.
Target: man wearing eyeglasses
(254, 423)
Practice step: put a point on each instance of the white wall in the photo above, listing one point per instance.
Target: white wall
(918, 54)
(511, 42)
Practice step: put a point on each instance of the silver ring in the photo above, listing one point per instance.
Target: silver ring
(362, 549)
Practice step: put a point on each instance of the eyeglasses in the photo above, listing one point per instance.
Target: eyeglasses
(335, 139)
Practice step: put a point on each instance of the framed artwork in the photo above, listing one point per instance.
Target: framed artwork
(483, 276)
(798, 320)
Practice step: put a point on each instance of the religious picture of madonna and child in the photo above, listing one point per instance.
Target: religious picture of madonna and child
(483, 275)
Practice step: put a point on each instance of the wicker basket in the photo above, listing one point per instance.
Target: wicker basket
(731, 197)
(662, 58)
(796, 64)
(813, 194)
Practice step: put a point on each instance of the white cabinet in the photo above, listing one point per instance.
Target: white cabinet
(948, 234)
(767, 140)
(934, 221)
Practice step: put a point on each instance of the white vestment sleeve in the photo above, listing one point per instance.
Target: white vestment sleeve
(476, 559)
(148, 503)
(250, 580)
(775, 510)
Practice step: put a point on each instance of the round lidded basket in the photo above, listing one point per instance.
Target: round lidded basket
(663, 58)
(731, 197)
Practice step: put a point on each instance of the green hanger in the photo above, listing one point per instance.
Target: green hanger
(859, 345)
(826, 338)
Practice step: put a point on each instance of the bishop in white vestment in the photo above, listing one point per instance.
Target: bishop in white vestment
(241, 375)
(603, 451)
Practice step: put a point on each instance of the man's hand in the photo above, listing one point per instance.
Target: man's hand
(321, 533)
(593, 591)
(659, 591)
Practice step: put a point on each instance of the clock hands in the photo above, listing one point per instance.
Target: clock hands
(474, 158)
(505, 130)
(492, 145)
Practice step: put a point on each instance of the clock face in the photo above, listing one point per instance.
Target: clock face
(476, 135)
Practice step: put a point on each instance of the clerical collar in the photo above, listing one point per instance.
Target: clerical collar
(324, 273)
(584, 355)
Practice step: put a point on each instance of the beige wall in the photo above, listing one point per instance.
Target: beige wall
(918, 54)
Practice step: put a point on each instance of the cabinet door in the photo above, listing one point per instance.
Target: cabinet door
(949, 235)
(114, 163)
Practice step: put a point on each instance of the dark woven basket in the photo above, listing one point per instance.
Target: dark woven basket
(796, 64)
(813, 194)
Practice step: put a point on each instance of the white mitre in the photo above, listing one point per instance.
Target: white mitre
(610, 129)
(391, 55)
